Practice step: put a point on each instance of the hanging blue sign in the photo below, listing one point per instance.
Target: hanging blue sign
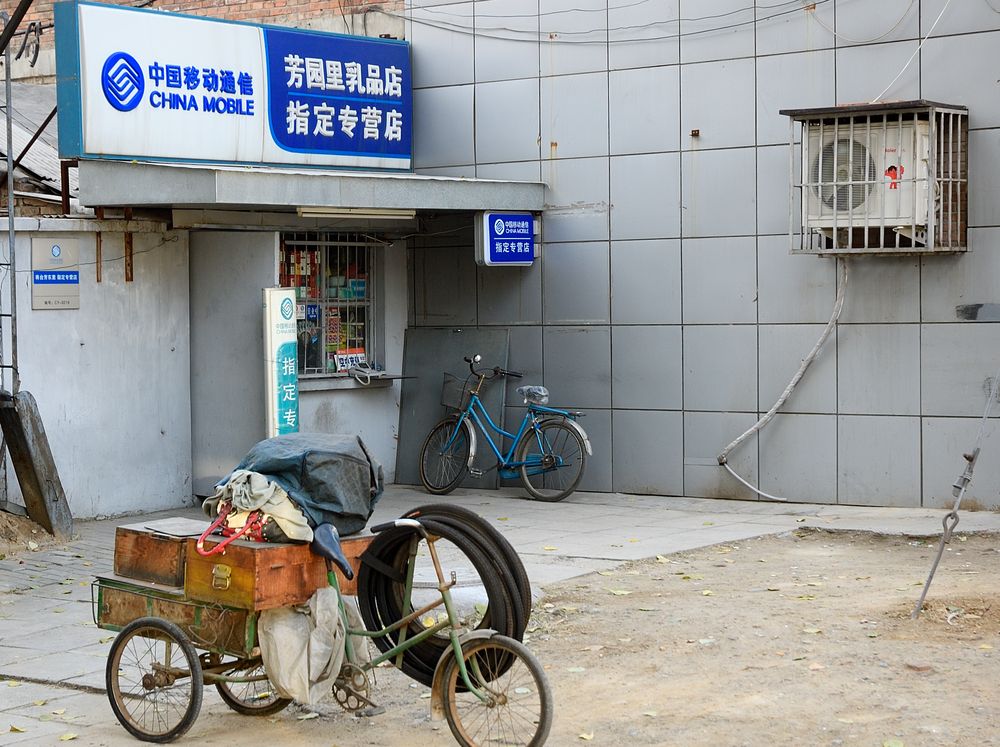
(506, 239)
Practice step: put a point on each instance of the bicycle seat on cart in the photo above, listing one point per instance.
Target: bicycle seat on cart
(326, 543)
(537, 394)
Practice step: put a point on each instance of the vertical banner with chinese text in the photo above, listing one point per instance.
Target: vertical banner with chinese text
(281, 361)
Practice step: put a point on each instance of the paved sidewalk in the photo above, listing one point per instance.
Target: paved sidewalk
(52, 656)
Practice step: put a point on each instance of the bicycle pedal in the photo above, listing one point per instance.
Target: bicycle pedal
(475, 472)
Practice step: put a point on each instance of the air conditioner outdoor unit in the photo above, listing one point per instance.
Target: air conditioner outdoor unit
(887, 178)
(859, 174)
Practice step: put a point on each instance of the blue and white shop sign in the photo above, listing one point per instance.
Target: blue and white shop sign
(281, 363)
(55, 273)
(505, 239)
(140, 84)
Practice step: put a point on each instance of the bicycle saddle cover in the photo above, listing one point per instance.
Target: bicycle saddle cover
(326, 542)
(537, 394)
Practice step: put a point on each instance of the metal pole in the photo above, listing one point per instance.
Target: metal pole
(5, 45)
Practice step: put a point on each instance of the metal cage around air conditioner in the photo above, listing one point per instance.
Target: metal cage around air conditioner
(886, 178)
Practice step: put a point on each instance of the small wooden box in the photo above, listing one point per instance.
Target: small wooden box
(154, 551)
(253, 575)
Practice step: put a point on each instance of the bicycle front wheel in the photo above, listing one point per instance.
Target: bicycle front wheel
(443, 464)
(517, 704)
(552, 457)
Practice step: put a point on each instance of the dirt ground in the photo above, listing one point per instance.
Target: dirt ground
(20, 534)
(801, 639)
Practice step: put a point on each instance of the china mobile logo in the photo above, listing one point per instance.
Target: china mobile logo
(122, 81)
(286, 308)
(499, 227)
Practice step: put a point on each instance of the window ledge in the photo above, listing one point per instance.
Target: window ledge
(331, 383)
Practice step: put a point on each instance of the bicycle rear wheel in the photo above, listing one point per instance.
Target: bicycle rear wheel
(518, 710)
(442, 465)
(552, 458)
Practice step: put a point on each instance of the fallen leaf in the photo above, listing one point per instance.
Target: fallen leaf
(620, 592)
(32, 545)
(13, 683)
(647, 609)
(576, 670)
(985, 647)
(522, 690)
(920, 668)
(59, 711)
(651, 714)
(661, 559)
(707, 592)
(586, 735)
(633, 540)
(592, 648)
(39, 702)
(550, 548)
(424, 696)
(107, 639)
(307, 716)
(504, 518)
(606, 573)
(708, 523)
(816, 666)
(17, 729)
(811, 631)
(892, 743)
(67, 737)
(806, 597)
(873, 635)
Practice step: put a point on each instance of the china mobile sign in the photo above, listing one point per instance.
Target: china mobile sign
(160, 86)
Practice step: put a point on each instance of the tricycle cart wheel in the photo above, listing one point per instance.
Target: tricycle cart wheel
(256, 698)
(154, 680)
(516, 707)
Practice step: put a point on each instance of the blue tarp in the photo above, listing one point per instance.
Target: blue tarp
(332, 478)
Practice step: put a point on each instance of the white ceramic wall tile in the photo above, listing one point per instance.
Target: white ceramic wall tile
(792, 288)
(884, 21)
(878, 369)
(773, 193)
(959, 17)
(785, 28)
(984, 178)
(791, 81)
(442, 53)
(443, 127)
(506, 132)
(510, 295)
(782, 349)
(957, 363)
(519, 171)
(643, 34)
(648, 452)
(963, 287)
(705, 435)
(507, 41)
(720, 371)
(578, 366)
(646, 282)
(574, 36)
(719, 192)
(882, 289)
(577, 283)
(638, 212)
(720, 280)
(574, 116)
(864, 72)
(878, 461)
(646, 367)
(716, 30)
(798, 458)
(719, 103)
(577, 200)
(944, 442)
(947, 76)
(643, 110)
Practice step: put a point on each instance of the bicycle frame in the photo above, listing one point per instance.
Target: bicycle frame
(397, 651)
(477, 413)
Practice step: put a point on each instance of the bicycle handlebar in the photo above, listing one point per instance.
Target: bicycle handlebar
(496, 370)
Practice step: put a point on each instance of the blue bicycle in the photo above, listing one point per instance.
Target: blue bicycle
(548, 452)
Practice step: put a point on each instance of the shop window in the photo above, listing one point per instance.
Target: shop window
(335, 281)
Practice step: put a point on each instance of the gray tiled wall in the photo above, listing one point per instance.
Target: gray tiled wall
(666, 303)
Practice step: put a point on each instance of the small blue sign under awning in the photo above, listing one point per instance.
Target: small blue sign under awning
(505, 239)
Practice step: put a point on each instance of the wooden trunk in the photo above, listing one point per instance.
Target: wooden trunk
(146, 552)
(254, 575)
(120, 601)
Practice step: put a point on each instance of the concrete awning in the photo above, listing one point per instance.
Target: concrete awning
(154, 185)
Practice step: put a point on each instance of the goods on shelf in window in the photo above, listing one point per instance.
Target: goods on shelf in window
(300, 270)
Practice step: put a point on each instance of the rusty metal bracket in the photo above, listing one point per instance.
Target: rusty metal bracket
(128, 257)
(64, 167)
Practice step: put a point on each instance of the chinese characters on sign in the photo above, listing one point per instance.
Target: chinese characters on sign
(55, 273)
(343, 98)
(227, 92)
(281, 361)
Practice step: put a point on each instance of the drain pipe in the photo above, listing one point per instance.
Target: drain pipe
(806, 362)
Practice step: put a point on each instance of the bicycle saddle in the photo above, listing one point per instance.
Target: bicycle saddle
(537, 394)
(326, 543)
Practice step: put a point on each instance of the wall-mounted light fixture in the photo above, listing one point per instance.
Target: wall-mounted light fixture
(359, 213)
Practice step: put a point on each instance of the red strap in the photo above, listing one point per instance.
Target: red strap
(223, 513)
